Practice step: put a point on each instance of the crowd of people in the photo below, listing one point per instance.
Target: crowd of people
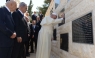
(19, 31)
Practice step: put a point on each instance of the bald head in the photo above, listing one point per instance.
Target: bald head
(12, 5)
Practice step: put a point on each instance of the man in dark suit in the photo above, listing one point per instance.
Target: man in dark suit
(34, 17)
(21, 30)
(28, 39)
(7, 32)
(38, 22)
(41, 16)
(34, 34)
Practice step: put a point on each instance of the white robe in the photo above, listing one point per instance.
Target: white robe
(45, 36)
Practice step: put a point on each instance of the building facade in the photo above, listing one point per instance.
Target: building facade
(75, 38)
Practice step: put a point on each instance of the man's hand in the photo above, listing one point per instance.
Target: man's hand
(19, 39)
(13, 36)
(33, 36)
(28, 35)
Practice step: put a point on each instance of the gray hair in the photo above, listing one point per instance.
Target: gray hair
(22, 4)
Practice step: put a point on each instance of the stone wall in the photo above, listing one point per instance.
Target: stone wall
(51, 7)
(73, 10)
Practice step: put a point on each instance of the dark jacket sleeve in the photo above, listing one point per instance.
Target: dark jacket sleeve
(31, 30)
(3, 28)
(17, 24)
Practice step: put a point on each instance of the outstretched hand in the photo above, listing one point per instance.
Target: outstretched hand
(63, 15)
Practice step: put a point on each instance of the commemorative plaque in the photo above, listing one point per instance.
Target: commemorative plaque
(82, 31)
(54, 34)
(64, 41)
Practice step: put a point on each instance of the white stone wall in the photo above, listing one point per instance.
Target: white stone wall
(73, 10)
(50, 8)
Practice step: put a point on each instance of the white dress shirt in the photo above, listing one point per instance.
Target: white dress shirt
(34, 26)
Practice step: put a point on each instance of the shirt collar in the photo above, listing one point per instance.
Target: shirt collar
(20, 11)
(7, 8)
(34, 25)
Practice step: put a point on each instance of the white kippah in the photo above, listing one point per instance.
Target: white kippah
(54, 14)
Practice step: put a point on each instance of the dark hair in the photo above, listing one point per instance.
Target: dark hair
(22, 4)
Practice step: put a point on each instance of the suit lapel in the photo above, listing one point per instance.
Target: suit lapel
(9, 15)
(12, 19)
(23, 19)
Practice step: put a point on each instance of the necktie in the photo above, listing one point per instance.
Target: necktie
(34, 26)
(11, 18)
(10, 14)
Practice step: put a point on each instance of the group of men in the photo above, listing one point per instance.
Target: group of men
(15, 32)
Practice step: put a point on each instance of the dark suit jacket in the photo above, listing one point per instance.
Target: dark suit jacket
(6, 28)
(41, 16)
(38, 23)
(34, 31)
(34, 17)
(21, 27)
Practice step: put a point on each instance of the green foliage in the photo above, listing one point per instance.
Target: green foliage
(45, 6)
(30, 8)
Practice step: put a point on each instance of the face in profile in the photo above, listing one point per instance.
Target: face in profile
(26, 14)
(54, 16)
(24, 9)
(13, 7)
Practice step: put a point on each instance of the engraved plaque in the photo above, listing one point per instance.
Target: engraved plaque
(54, 34)
(82, 31)
(63, 22)
(64, 41)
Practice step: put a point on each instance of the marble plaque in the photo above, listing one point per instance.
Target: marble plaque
(82, 31)
(64, 41)
(54, 34)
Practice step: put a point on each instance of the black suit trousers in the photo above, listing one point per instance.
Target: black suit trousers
(33, 40)
(18, 50)
(27, 45)
(5, 52)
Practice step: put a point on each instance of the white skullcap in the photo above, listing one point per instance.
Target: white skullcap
(54, 14)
